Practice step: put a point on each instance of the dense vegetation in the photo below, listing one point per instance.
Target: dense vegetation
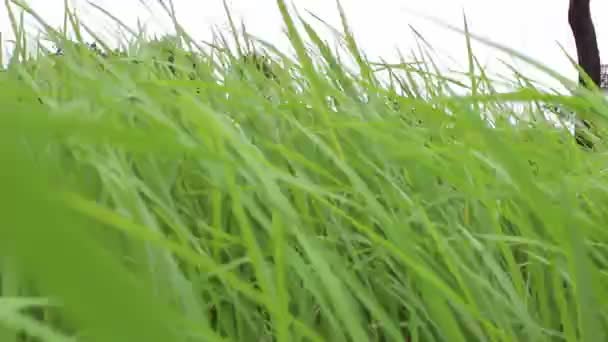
(174, 192)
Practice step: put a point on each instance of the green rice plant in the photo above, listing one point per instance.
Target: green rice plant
(174, 191)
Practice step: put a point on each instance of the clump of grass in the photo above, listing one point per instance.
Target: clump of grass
(173, 192)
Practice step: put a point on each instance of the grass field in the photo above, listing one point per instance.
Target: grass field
(175, 191)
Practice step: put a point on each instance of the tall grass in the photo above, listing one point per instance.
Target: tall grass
(174, 191)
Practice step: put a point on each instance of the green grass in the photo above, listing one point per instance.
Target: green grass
(325, 203)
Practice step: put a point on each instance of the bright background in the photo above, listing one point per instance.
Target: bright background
(534, 27)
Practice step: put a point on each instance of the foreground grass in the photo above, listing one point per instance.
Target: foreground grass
(214, 203)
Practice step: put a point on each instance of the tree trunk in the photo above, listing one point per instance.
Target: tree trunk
(579, 18)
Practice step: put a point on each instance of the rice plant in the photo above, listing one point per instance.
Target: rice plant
(172, 190)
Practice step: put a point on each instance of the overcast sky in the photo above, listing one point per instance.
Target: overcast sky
(534, 27)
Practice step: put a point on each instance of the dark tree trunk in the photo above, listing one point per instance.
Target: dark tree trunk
(579, 18)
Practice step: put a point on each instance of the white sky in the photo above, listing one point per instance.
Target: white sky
(534, 27)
